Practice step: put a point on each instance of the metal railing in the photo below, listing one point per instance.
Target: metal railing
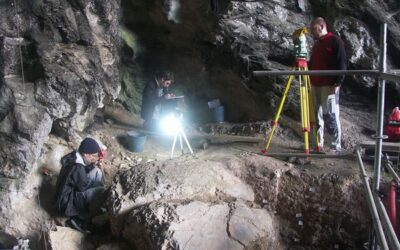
(377, 225)
(380, 219)
(315, 72)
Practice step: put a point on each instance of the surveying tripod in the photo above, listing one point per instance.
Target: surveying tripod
(307, 109)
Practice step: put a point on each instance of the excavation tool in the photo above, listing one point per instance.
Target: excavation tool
(307, 109)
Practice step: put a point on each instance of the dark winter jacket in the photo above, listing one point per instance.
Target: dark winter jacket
(150, 99)
(71, 181)
(328, 53)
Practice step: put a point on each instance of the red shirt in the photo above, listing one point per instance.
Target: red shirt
(328, 53)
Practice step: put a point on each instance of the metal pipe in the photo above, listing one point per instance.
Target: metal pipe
(387, 226)
(371, 204)
(371, 238)
(315, 72)
(390, 77)
(389, 166)
(380, 111)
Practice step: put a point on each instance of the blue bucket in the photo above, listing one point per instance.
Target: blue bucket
(136, 141)
(218, 114)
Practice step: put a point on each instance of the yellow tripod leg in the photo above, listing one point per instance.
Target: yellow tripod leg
(276, 119)
(304, 86)
(313, 113)
(304, 113)
(307, 103)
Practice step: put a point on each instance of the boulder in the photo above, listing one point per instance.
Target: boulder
(173, 180)
(200, 225)
(65, 238)
(188, 203)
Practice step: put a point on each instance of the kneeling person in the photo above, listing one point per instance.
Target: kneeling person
(80, 185)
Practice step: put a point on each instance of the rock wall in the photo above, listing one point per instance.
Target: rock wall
(259, 34)
(217, 44)
(59, 61)
(203, 69)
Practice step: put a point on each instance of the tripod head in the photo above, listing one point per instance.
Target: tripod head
(300, 43)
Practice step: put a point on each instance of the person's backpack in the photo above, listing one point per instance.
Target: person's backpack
(392, 126)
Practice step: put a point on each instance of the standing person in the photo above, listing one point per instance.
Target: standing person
(153, 95)
(328, 53)
(80, 185)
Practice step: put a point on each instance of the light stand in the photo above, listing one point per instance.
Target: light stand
(173, 125)
(180, 133)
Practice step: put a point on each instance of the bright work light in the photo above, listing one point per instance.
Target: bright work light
(170, 124)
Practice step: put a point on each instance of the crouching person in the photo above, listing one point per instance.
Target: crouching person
(80, 185)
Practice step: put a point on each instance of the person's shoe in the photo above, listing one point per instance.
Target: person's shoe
(79, 224)
(336, 151)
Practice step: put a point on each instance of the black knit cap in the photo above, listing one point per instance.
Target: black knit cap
(89, 146)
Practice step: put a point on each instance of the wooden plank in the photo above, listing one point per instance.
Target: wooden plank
(197, 135)
(122, 116)
(227, 138)
(312, 155)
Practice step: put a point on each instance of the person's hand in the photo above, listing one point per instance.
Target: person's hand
(99, 164)
(101, 156)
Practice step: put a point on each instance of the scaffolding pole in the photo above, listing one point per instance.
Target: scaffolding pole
(388, 165)
(392, 76)
(377, 225)
(380, 111)
(387, 226)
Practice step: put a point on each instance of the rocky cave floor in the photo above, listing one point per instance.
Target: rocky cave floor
(320, 203)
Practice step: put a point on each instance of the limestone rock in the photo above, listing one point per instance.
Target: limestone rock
(173, 180)
(65, 238)
(361, 49)
(199, 225)
(114, 246)
(7, 241)
(189, 204)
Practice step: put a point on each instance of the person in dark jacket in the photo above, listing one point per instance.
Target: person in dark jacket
(155, 92)
(80, 185)
(328, 53)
